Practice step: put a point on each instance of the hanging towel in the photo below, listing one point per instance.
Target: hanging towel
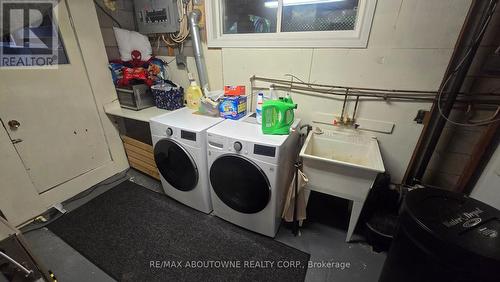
(301, 200)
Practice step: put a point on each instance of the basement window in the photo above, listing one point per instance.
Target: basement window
(289, 23)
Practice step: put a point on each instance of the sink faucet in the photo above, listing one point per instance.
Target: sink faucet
(344, 119)
(346, 122)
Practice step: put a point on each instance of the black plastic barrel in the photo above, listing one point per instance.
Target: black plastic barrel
(444, 236)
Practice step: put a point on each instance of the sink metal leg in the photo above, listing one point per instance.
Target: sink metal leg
(355, 212)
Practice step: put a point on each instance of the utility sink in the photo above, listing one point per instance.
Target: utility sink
(342, 164)
(343, 149)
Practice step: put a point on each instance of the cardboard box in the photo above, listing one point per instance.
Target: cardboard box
(238, 90)
(233, 107)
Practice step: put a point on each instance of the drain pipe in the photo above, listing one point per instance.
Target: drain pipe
(463, 55)
(194, 19)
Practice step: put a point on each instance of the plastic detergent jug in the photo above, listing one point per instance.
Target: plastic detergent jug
(193, 95)
(278, 116)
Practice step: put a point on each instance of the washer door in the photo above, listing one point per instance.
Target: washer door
(176, 165)
(240, 183)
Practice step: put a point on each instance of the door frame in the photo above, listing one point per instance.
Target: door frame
(22, 201)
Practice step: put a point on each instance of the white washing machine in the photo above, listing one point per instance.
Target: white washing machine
(250, 173)
(179, 142)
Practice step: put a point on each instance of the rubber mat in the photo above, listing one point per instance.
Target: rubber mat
(135, 234)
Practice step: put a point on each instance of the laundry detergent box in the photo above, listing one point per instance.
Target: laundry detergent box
(233, 107)
(238, 90)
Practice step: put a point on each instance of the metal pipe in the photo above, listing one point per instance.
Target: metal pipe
(287, 82)
(465, 50)
(354, 93)
(194, 18)
(18, 265)
(343, 107)
(313, 86)
(376, 97)
(355, 109)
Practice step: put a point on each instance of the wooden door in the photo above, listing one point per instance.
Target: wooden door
(51, 116)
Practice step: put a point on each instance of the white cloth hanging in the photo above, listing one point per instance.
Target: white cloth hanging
(301, 200)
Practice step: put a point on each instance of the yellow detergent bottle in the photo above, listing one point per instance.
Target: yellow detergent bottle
(193, 95)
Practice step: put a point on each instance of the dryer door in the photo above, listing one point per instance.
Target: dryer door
(240, 183)
(176, 165)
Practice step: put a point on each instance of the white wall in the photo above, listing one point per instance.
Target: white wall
(487, 188)
(124, 14)
(409, 48)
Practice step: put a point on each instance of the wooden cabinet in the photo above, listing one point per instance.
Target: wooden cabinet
(140, 156)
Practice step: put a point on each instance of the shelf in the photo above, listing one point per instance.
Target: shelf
(145, 115)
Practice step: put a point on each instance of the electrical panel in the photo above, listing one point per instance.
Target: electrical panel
(157, 16)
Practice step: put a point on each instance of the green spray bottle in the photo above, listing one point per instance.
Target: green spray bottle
(278, 116)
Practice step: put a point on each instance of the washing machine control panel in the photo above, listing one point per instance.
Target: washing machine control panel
(190, 138)
(237, 146)
(169, 131)
(262, 150)
(229, 145)
(188, 135)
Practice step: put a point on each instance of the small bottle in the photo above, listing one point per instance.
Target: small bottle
(272, 93)
(193, 94)
(258, 108)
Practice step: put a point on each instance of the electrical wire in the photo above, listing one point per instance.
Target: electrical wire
(108, 14)
(459, 66)
(78, 197)
(41, 225)
(166, 40)
(184, 7)
(490, 119)
(171, 61)
(90, 191)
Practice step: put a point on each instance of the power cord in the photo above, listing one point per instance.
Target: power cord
(184, 8)
(497, 112)
(459, 66)
(89, 191)
(38, 226)
(57, 215)
(107, 14)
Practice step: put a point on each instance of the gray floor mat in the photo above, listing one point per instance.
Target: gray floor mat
(134, 234)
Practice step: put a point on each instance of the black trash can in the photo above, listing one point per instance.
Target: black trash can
(444, 236)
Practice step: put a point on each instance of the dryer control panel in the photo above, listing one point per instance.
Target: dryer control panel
(264, 150)
(241, 147)
(188, 135)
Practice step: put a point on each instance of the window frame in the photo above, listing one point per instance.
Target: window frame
(357, 38)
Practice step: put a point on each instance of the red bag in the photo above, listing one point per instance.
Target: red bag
(135, 73)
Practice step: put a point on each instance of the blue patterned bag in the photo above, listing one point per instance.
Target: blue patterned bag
(168, 96)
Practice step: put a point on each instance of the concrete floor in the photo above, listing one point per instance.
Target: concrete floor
(325, 244)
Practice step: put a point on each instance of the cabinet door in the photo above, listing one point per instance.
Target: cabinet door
(50, 113)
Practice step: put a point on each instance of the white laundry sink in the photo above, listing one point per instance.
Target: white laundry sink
(342, 164)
